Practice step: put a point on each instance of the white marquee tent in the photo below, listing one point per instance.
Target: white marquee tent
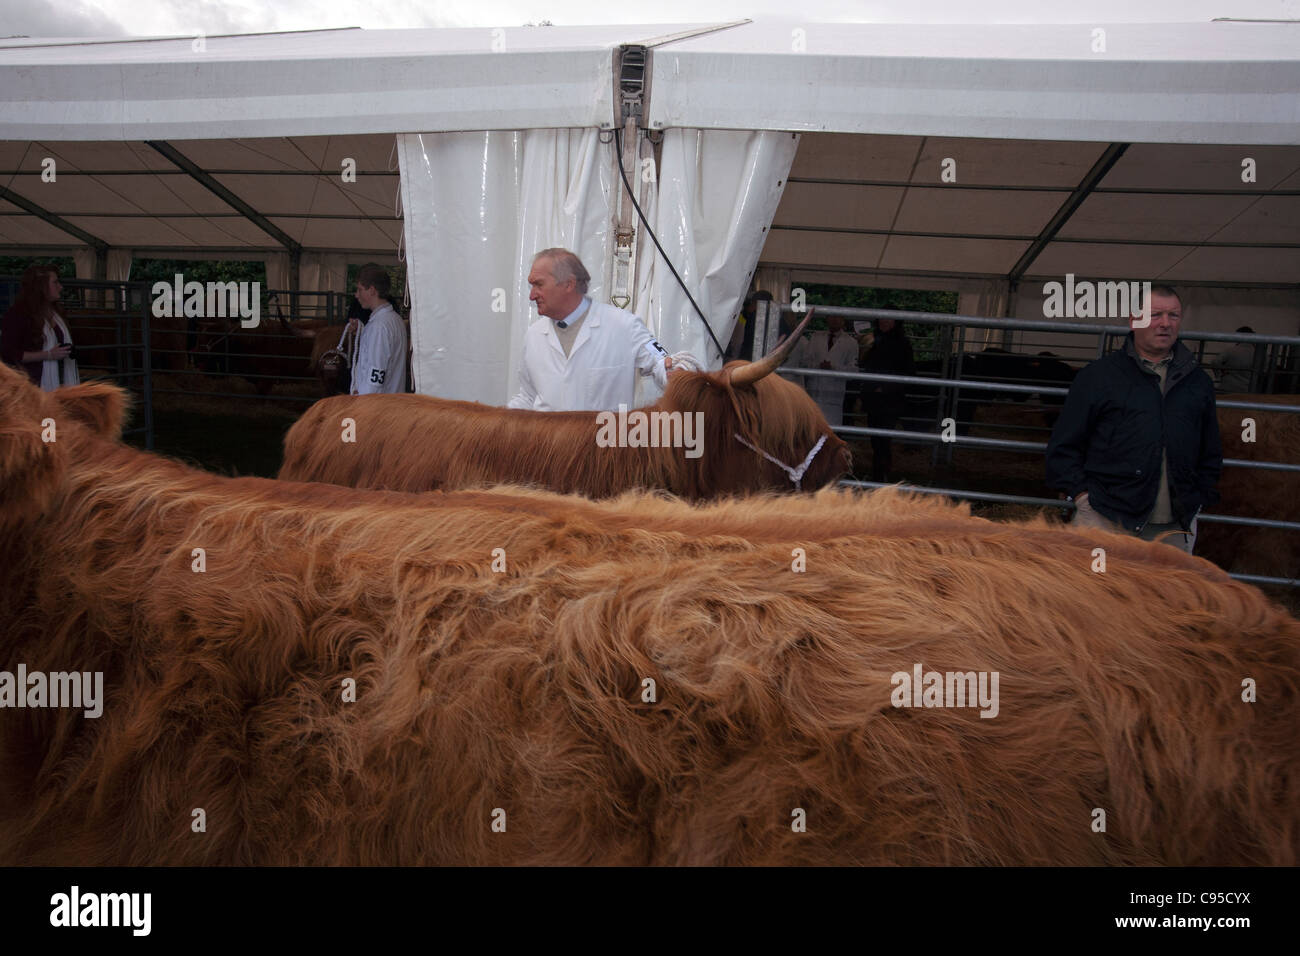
(980, 159)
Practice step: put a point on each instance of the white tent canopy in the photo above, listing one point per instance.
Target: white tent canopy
(1222, 82)
(875, 211)
(317, 83)
(980, 159)
(1177, 83)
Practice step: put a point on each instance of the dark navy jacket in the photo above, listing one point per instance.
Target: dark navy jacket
(1109, 438)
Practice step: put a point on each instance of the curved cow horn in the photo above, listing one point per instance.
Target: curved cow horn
(768, 364)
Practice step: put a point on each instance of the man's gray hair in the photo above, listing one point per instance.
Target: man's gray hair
(564, 266)
(1167, 291)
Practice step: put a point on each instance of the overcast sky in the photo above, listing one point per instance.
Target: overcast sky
(86, 18)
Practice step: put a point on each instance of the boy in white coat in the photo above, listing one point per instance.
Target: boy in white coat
(381, 352)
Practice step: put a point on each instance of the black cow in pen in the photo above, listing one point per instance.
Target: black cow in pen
(995, 365)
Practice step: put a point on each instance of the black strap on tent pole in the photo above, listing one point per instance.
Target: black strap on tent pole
(618, 150)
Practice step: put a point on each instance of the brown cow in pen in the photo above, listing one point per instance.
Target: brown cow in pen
(759, 433)
(638, 681)
(268, 354)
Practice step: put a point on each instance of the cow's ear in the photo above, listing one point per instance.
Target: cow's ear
(95, 405)
(31, 461)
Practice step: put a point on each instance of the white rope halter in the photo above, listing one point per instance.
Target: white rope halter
(354, 349)
(796, 474)
(348, 348)
(351, 350)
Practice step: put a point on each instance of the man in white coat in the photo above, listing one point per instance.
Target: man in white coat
(587, 355)
(381, 352)
(834, 350)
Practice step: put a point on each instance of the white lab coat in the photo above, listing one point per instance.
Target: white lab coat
(381, 355)
(828, 393)
(613, 347)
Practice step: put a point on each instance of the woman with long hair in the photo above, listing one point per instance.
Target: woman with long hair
(33, 334)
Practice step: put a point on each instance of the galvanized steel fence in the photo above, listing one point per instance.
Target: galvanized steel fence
(1275, 362)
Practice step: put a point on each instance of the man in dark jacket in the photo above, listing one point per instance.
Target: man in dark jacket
(1137, 445)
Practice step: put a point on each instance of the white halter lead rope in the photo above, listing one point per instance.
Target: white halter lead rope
(348, 348)
(796, 474)
(354, 348)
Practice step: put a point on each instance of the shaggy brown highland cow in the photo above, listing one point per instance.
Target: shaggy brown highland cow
(518, 694)
(419, 443)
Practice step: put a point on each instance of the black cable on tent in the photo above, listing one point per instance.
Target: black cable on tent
(618, 149)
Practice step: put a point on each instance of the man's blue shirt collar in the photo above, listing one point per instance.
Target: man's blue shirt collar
(579, 312)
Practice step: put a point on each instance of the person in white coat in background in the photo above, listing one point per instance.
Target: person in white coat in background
(835, 350)
(587, 355)
(382, 350)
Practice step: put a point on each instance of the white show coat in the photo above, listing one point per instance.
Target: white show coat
(381, 354)
(599, 373)
(828, 393)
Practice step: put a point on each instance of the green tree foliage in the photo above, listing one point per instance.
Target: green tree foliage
(199, 270)
(15, 266)
(924, 338)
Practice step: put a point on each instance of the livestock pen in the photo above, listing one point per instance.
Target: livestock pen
(992, 460)
(224, 417)
(206, 391)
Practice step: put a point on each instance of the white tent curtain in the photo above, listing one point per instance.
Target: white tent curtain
(988, 300)
(118, 269)
(774, 280)
(84, 260)
(119, 264)
(277, 270)
(477, 206)
(718, 192)
(323, 272)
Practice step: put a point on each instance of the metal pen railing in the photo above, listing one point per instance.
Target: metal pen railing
(947, 390)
